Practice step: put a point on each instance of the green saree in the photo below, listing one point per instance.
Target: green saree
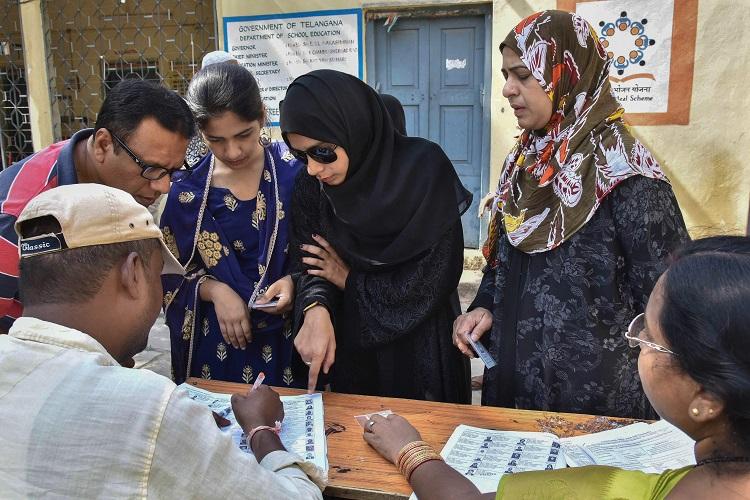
(594, 482)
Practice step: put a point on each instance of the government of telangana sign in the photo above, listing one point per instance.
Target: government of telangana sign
(279, 48)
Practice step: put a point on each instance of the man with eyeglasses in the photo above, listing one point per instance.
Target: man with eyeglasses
(137, 145)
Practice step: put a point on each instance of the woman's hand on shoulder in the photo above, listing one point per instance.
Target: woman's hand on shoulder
(281, 290)
(231, 312)
(316, 343)
(330, 265)
(475, 323)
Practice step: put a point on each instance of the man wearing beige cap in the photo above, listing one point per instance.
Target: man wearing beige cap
(76, 423)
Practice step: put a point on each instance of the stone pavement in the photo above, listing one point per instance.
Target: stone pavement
(156, 355)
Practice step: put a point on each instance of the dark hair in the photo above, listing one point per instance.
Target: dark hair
(705, 319)
(71, 276)
(224, 87)
(132, 100)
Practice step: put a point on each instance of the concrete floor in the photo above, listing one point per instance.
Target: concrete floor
(156, 356)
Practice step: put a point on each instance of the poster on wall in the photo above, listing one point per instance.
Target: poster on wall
(279, 48)
(652, 46)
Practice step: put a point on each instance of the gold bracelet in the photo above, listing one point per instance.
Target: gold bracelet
(407, 447)
(307, 308)
(423, 458)
(412, 459)
(409, 455)
(413, 456)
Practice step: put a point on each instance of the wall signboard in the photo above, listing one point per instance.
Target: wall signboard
(279, 48)
(652, 46)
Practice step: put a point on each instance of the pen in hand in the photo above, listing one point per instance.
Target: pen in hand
(258, 380)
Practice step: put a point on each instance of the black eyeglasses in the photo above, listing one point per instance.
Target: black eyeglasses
(152, 172)
(319, 153)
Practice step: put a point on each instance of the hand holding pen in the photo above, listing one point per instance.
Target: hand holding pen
(260, 406)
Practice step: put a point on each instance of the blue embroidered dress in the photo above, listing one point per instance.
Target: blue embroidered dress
(242, 243)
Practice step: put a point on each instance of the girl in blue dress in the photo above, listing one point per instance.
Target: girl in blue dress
(227, 223)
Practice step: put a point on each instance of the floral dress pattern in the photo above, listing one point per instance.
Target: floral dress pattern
(242, 243)
(559, 316)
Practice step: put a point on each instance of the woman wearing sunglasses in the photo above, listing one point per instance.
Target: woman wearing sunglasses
(228, 224)
(378, 241)
(694, 362)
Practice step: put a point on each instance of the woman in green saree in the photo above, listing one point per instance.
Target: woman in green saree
(694, 364)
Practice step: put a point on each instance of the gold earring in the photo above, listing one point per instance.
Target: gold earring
(695, 411)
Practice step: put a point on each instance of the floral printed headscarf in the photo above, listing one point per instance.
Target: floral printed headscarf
(552, 184)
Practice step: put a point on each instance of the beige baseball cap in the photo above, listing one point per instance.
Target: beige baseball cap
(91, 214)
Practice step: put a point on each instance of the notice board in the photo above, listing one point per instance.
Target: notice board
(280, 47)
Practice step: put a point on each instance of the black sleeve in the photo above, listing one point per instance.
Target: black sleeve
(649, 227)
(493, 275)
(486, 292)
(306, 215)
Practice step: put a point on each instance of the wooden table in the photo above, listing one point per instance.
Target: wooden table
(357, 471)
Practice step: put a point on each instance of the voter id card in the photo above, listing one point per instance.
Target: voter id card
(267, 305)
(482, 352)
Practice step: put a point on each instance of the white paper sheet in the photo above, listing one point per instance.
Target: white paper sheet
(484, 455)
(302, 432)
(647, 447)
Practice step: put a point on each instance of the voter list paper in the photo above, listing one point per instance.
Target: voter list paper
(483, 456)
(302, 431)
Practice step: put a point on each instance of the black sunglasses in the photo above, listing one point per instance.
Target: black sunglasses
(152, 172)
(319, 153)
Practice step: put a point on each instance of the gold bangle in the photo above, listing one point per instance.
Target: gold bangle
(410, 455)
(419, 460)
(411, 460)
(407, 447)
(307, 308)
(413, 456)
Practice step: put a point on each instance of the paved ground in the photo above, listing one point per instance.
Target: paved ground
(156, 355)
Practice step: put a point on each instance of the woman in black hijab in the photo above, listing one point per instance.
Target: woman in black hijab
(378, 242)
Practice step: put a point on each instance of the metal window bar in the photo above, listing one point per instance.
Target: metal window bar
(15, 128)
(94, 45)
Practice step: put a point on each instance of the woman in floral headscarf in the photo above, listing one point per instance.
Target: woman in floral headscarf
(583, 219)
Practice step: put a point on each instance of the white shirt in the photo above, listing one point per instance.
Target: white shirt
(76, 424)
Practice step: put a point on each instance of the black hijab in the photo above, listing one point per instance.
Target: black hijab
(400, 195)
(396, 111)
